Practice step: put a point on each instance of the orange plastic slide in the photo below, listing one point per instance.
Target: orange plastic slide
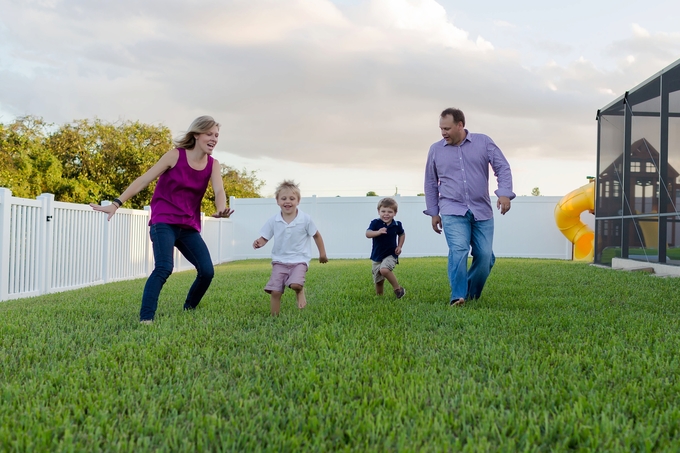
(568, 219)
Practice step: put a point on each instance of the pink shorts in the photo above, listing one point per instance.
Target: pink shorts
(285, 274)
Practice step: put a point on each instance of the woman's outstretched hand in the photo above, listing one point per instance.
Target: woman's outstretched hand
(109, 209)
(223, 214)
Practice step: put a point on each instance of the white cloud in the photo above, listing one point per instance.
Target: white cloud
(308, 82)
(263, 22)
(427, 20)
(504, 24)
(639, 32)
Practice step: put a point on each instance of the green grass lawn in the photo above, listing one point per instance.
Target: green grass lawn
(556, 356)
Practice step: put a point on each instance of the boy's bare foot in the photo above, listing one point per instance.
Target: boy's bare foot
(301, 300)
(275, 303)
(299, 295)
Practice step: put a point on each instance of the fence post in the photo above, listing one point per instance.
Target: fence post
(220, 222)
(106, 236)
(230, 232)
(46, 243)
(314, 207)
(5, 213)
(148, 265)
(569, 252)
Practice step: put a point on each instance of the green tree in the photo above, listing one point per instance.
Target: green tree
(237, 183)
(27, 167)
(536, 192)
(90, 160)
(100, 160)
(371, 194)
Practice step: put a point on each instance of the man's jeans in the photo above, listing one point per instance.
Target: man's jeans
(463, 232)
(190, 243)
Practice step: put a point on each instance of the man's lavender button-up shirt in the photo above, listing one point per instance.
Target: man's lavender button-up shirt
(457, 177)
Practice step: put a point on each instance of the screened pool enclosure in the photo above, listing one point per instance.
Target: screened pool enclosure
(637, 208)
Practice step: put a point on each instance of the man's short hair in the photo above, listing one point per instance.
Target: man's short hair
(388, 202)
(457, 114)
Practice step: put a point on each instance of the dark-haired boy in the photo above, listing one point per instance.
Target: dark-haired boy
(388, 238)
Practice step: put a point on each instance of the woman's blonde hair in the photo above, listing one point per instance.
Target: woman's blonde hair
(200, 125)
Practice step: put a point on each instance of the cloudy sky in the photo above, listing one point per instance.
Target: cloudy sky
(342, 95)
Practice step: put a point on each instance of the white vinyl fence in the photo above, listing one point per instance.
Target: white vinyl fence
(49, 246)
(527, 231)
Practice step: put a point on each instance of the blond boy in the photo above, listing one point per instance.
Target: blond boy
(388, 239)
(292, 231)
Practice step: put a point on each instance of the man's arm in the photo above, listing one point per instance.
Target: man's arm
(437, 224)
(431, 187)
(503, 204)
(503, 174)
(501, 170)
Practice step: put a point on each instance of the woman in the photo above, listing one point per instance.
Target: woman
(183, 175)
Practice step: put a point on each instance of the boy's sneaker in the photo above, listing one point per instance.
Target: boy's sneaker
(399, 293)
(146, 321)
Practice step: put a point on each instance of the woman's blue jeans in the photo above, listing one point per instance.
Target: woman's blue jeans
(464, 233)
(190, 243)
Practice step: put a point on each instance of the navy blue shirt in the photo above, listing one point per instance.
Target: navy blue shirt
(384, 245)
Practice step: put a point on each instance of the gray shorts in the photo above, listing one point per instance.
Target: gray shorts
(285, 274)
(388, 263)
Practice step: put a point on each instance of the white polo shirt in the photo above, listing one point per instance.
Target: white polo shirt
(292, 241)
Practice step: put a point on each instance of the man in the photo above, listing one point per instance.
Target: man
(457, 198)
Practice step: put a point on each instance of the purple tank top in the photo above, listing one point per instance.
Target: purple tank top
(178, 194)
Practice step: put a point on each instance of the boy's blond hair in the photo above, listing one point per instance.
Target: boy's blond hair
(288, 185)
(388, 202)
